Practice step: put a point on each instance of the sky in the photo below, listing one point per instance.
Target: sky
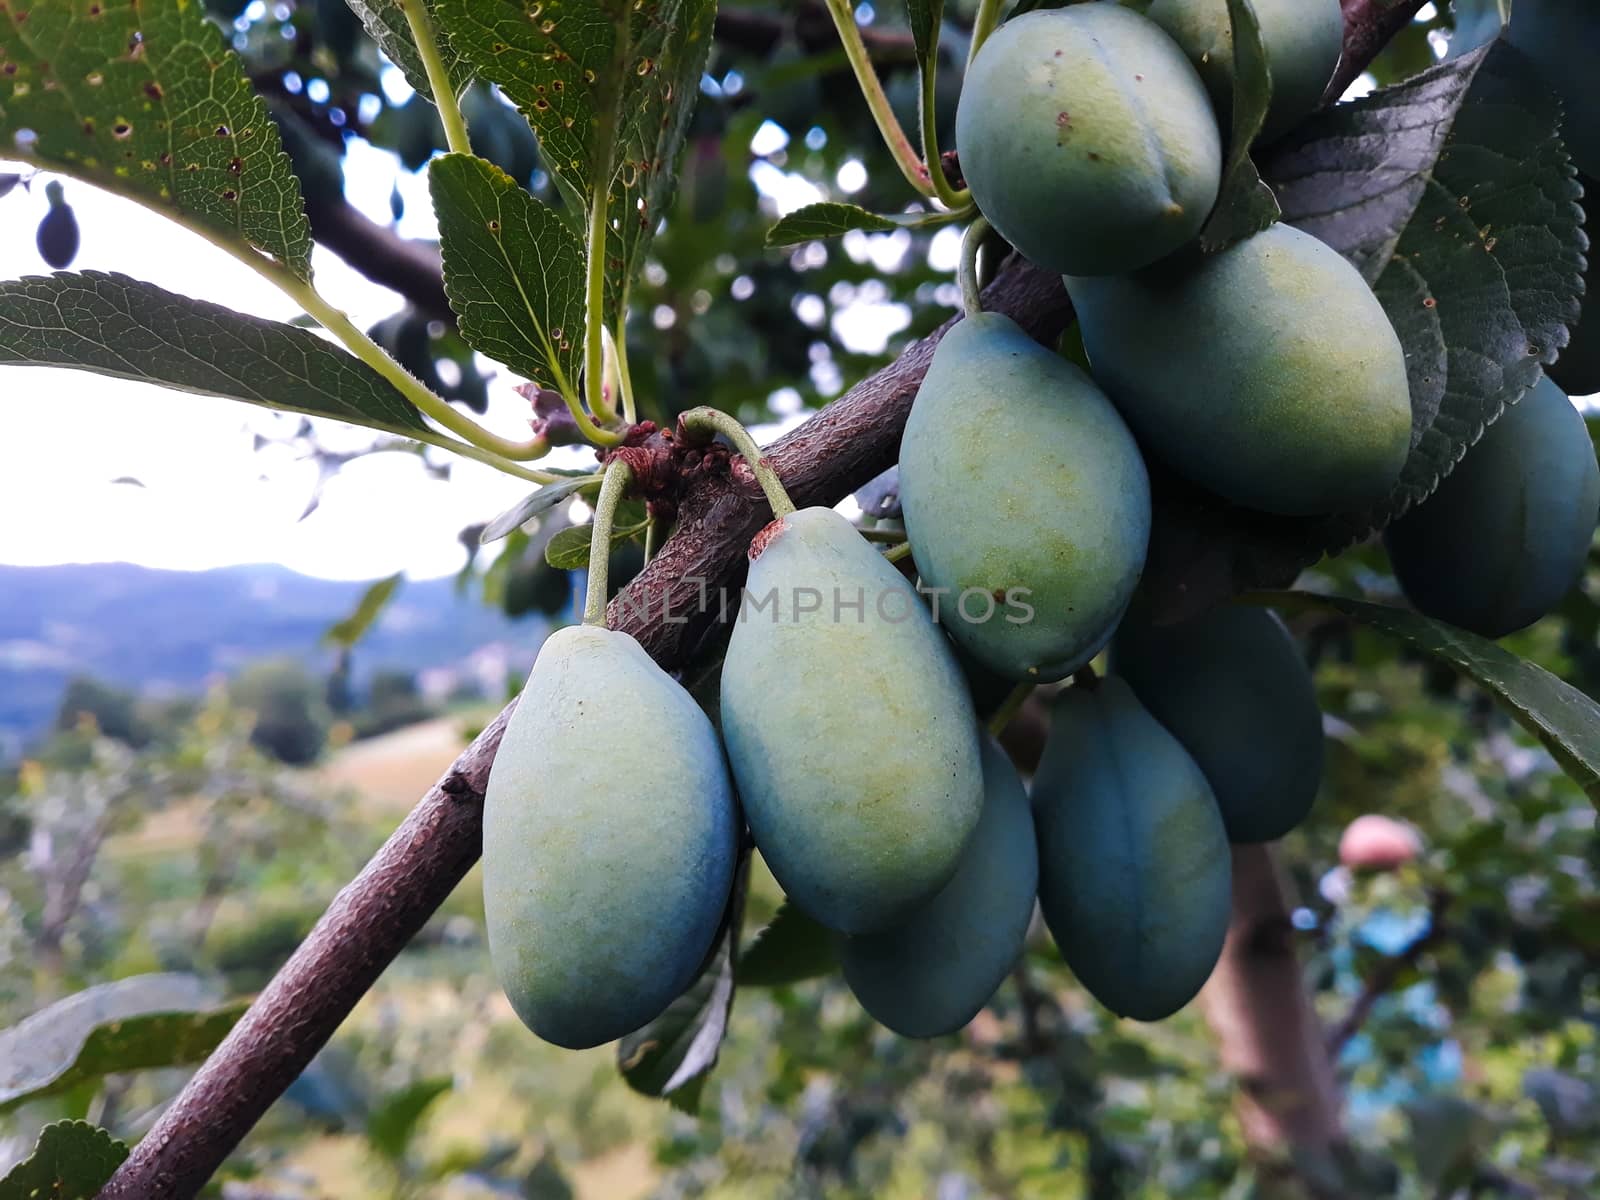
(208, 497)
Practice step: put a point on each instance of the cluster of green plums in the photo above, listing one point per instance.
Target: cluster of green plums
(849, 741)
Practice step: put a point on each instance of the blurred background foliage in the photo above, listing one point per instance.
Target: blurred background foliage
(205, 835)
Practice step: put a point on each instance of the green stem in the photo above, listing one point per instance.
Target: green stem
(607, 411)
(895, 553)
(444, 94)
(1010, 707)
(905, 155)
(468, 450)
(714, 421)
(618, 474)
(630, 414)
(650, 534)
(891, 536)
(967, 271)
(408, 385)
(930, 140)
(983, 24)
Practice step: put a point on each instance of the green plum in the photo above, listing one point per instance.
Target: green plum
(608, 856)
(1135, 875)
(1303, 39)
(848, 726)
(932, 975)
(1026, 501)
(1231, 686)
(1088, 140)
(1507, 534)
(1267, 373)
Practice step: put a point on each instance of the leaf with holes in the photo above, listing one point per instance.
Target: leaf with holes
(825, 220)
(113, 325)
(386, 24)
(1565, 720)
(1452, 192)
(608, 86)
(72, 1160)
(1245, 205)
(513, 271)
(145, 100)
(42, 1049)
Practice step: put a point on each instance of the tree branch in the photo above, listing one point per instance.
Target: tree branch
(372, 919)
(1267, 1035)
(1388, 974)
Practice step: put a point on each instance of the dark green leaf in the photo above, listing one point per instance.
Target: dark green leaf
(792, 948)
(144, 99)
(113, 325)
(520, 513)
(71, 1161)
(825, 220)
(394, 1119)
(386, 24)
(373, 601)
(1245, 205)
(513, 271)
(569, 549)
(673, 1055)
(608, 86)
(1565, 720)
(1451, 191)
(41, 1050)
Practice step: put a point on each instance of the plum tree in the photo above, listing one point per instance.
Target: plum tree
(1232, 687)
(607, 861)
(1001, 425)
(932, 975)
(861, 808)
(1267, 373)
(1090, 110)
(1134, 872)
(1508, 531)
(1302, 39)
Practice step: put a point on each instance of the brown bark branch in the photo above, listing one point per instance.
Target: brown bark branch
(373, 918)
(1267, 1035)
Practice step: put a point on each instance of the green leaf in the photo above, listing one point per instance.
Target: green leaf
(825, 220)
(790, 949)
(513, 270)
(72, 1160)
(394, 1119)
(924, 17)
(1453, 193)
(672, 1056)
(386, 24)
(528, 507)
(373, 601)
(144, 99)
(1245, 205)
(53, 1045)
(608, 86)
(1565, 721)
(113, 325)
(569, 549)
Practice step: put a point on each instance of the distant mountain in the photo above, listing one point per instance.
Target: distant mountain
(164, 631)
